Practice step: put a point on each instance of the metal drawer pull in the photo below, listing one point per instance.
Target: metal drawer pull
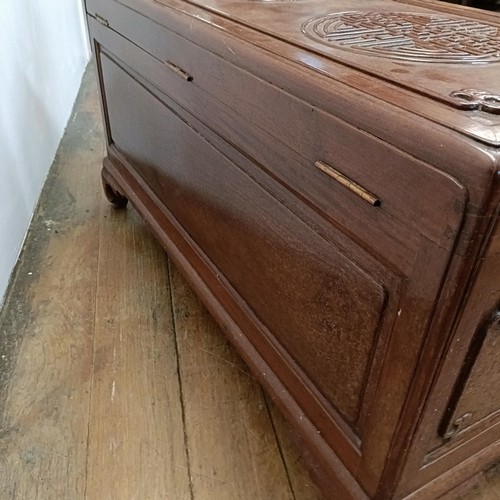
(348, 183)
(179, 71)
(103, 21)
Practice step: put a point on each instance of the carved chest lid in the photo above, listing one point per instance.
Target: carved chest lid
(408, 36)
(448, 53)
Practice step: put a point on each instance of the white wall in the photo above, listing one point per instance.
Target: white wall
(43, 53)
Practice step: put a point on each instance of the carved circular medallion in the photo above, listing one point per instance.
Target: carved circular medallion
(409, 36)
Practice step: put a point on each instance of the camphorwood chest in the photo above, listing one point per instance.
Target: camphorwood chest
(326, 174)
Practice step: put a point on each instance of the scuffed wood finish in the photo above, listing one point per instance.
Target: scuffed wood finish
(474, 397)
(351, 314)
(315, 278)
(46, 326)
(136, 423)
(469, 422)
(301, 482)
(48, 318)
(227, 433)
(91, 406)
(487, 487)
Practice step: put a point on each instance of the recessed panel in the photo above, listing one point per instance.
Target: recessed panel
(322, 308)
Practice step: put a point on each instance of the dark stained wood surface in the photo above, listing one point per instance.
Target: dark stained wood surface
(316, 281)
(286, 21)
(348, 332)
(47, 362)
(115, 382)
(370, 78)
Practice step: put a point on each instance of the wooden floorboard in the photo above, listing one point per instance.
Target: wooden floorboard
(115, 383)
(93, 368)
(300, 480)
(136, 432)
(233, 451)
(46, 329)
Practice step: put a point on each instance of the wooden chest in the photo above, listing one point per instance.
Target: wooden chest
(326, 174)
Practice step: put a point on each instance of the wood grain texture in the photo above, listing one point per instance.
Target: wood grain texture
(316, 279)
(232, 447)
(348, 345)
(46, 341)
(90, 399)
(300, 480)
(46, 326)
(136, 426)
(485, 486)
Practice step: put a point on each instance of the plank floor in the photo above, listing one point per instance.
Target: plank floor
(115, 383)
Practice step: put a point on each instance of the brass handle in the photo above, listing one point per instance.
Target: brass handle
(101, 19)
(178, 71)
(348, 183)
